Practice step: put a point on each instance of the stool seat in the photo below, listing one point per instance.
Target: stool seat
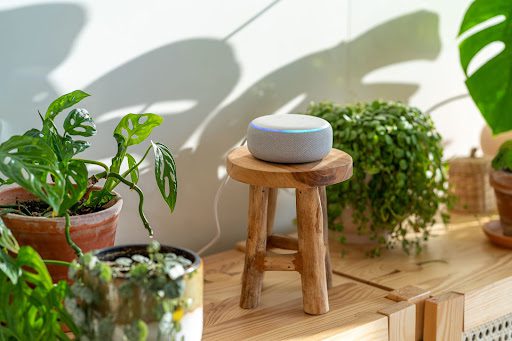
(334, 168)
(311, 256)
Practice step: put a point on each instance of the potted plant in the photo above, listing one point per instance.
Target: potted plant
(31, 305)
(58, 207)
(399, 180)
(489, 87)
(501, 180)
(137, 292)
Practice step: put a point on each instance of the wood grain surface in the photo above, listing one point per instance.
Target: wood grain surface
(457, 258)
(279, 316)
(334, 168)
(444, 317)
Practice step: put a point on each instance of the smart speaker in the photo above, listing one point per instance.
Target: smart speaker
(289, 138)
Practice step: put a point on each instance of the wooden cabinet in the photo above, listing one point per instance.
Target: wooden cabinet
(458, 287)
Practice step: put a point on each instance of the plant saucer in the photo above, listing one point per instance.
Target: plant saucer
(494, 231)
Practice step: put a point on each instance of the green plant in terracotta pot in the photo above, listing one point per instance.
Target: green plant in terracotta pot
(399, 182)
(490, 87)
(58, 207)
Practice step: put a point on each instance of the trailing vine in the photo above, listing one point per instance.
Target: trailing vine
(400, 180)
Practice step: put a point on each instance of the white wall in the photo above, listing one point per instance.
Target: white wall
(211, 66)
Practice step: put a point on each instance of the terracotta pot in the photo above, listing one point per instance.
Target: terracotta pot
(46, 235)
(502, 183)
(350, 231)
(143, 304)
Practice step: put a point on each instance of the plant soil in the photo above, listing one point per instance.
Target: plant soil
(37, 208)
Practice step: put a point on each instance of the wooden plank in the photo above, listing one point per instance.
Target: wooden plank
(279, 316)
(414, 295)
(444, 317)
(286, 319)
(457, 258)
(487, 303)
(367, 327)
(222, 287)
(401, 321)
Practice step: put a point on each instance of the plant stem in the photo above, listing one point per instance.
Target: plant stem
(56, 262)
(137, 164)
(141, 199)
(71, 243)
(10, 210)
(97, 163)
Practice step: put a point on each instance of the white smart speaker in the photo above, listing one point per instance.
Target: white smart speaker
(289, 138)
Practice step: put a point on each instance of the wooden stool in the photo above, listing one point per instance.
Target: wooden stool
(312, 257)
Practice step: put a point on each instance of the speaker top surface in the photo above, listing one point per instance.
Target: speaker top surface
(289, 123)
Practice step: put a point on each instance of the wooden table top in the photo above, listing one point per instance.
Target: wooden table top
(458, 258)
(353, 314)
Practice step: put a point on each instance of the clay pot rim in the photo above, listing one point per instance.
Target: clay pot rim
(114, 207)
(121, 251)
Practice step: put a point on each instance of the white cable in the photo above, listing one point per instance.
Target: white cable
(216, 214)
(216, 211)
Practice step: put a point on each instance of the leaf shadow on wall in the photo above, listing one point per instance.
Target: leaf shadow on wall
(205, 71)
(33, 44)
(196, 75)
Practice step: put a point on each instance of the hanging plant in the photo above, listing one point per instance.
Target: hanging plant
(399, 180)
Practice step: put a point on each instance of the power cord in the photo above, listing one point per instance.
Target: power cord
(216, 210)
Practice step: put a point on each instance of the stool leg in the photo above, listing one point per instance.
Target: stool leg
(271, 209)
(325, 221)
(252, 278)
(312, 251)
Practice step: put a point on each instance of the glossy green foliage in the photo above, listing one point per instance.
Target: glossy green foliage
(64, 102)
(43, 161)
(31, 306)
(399, 180)
(30, 162)
(79, 122)
(165, 174)
(491, 85)
(503, 160)
(135, 128)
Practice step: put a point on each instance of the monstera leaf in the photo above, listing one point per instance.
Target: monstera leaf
(64, 102)
(79, 122)
(76, 184)
(165, 174)
(491, 85)
(135, 128)
(30, 162)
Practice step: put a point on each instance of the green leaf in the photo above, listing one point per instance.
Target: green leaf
(9, 268)
(7, 240)
(76, 176)
(491, 85)
(165, 174)
(38, 274)
(31, 163)
(33, 133)
(135, 128)
(503, 160)
(79, 122)
(64, 102)
(134, 174)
